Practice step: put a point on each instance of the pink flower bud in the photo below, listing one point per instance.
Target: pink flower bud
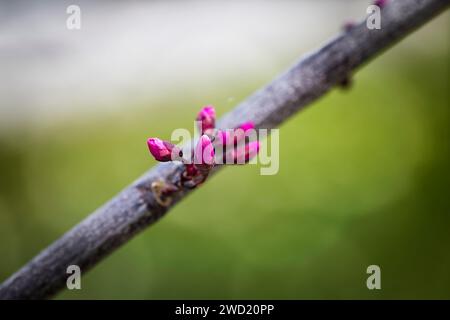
(247, 126)
(163, 151)
(246, 153)
(225, 137)
(243, 129)
(380, 3)
(207, 117)
(204, 153)
(190, 170)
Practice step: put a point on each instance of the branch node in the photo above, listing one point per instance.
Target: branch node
(163, 192)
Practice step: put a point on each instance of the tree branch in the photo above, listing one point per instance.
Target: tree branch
(136, 208)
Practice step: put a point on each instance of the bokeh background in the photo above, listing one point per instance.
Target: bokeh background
(364, 173)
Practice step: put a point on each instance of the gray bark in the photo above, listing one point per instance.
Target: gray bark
(135, 207)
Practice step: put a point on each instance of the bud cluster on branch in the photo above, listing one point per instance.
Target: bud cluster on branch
(215, 146)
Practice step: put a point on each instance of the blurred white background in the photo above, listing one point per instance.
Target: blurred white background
(139, 50)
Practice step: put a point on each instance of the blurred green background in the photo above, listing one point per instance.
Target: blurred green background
(364, 179)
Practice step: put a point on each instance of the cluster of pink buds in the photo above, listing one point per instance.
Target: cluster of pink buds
(231, 146)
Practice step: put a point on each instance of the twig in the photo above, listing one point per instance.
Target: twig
(136, 207)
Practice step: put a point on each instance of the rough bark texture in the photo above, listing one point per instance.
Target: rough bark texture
(136, 208)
